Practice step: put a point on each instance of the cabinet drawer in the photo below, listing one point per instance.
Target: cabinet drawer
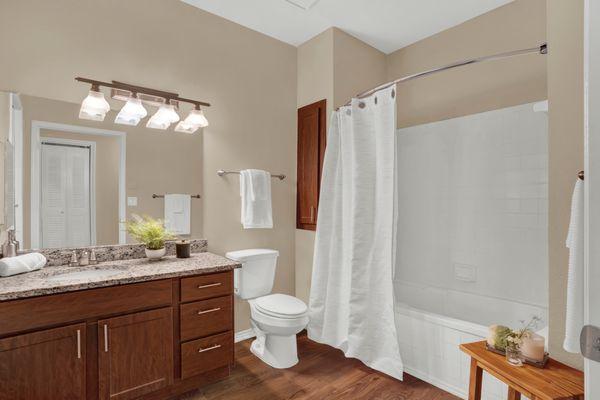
(206, 317)
(203, 355)
(206, 286)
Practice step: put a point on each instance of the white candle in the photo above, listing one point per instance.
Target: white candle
(533, 347)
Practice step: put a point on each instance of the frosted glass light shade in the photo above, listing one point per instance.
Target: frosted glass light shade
(163, 118)
(192, 122)
(94, 106)
(131, 113)
(196, 117)
(184, 127)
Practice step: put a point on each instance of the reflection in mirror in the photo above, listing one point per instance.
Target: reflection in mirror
(81, 178)
(7, 150)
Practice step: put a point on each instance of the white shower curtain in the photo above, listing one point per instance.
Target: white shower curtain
(352, 299)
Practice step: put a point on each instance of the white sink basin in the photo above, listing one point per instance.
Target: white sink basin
(84, 275)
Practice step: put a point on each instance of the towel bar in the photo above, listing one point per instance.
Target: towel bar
(222, 172)
(160, 196)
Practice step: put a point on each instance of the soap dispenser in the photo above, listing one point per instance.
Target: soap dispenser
(10, 247)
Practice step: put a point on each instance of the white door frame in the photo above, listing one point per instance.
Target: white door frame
(38, 180)
(36, 152)
(16, 128)
(592, 185)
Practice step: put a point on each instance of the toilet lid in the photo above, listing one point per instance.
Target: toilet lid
(281, 305)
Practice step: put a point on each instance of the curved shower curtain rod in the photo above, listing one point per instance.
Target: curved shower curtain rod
(541, 49)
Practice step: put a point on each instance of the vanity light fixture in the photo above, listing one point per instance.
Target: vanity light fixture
(94, 107)
(163, 118)
(194, 121)
(132, 112)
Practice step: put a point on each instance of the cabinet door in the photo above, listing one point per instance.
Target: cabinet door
(135, 354)
(311, 149)
(45, 365)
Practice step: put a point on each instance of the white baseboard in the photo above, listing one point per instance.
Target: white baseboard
(243, 335)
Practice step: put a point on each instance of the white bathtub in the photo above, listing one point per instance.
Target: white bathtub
(431, 328)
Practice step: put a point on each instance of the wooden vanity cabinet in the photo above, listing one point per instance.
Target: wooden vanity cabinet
(24, 370)
(150, 340)
(135, 354)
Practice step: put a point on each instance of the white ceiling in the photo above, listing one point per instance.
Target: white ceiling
(385, 24)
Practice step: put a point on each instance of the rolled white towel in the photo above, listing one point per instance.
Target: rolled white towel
(20, 264)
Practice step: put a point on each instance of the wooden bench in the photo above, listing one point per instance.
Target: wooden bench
(556, 381)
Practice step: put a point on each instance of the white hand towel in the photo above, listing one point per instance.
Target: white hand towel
(255, 190)
(20, 264)
(178, 213)
(574, 317)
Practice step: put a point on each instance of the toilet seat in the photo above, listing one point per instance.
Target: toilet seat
(281, 306)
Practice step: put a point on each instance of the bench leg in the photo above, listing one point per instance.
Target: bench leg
(513, 394)
(475, 381)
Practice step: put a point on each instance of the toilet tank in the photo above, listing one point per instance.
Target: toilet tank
(257, 274)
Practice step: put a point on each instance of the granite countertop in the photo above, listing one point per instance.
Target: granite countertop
(48, 280)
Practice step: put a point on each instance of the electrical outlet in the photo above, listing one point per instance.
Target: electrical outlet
(132, 201)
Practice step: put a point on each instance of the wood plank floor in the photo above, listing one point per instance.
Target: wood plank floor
(322, 373)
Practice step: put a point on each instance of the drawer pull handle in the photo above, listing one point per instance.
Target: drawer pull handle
(209, 311)
(209, 285)
(216, 346)
(105, 338)
(78, 343)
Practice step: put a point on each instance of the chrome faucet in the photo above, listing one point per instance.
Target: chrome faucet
(84, 259)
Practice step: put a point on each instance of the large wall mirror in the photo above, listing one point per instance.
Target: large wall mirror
(71, 182)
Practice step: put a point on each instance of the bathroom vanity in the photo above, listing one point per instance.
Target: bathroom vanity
(144, 329)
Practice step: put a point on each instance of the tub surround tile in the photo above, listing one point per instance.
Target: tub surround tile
(129, 271)
(61, 256)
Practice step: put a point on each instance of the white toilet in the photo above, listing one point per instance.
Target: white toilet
(275, 318)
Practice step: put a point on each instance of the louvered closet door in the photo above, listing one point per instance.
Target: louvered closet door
(78, 197)
(65, 214)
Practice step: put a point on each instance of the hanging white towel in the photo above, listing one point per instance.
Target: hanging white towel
(178, 213)
(574, 317)
(20, 264)
(255, 191)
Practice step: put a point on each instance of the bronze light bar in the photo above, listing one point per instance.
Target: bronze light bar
(168, 96)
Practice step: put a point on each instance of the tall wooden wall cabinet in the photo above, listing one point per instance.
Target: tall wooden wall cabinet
(312, 137)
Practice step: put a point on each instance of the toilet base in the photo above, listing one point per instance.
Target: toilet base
(277, 351)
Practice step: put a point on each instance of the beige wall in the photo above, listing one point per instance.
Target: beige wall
(475, 88)
(565, 146)
(315, 82)
(333, 66)
(249, 78)
(315, 70)
(356, 67)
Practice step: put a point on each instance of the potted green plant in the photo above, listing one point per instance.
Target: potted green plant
(151, 232)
